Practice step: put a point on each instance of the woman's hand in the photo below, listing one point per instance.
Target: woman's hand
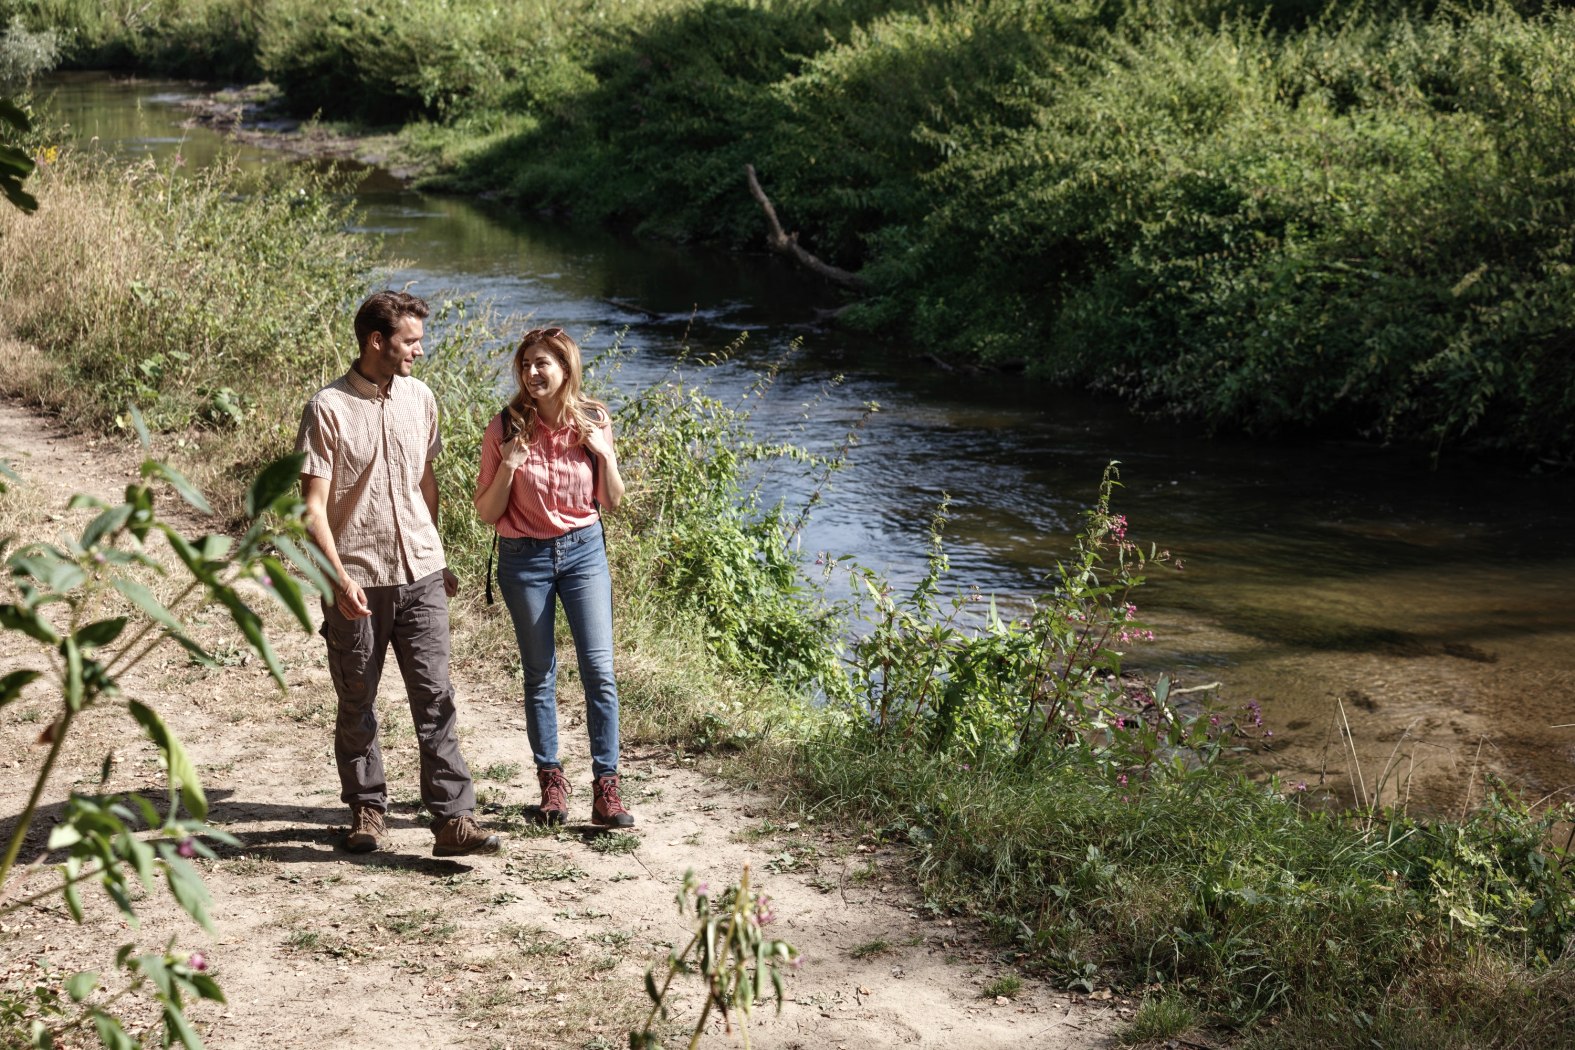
(599, 443)
(514, 452)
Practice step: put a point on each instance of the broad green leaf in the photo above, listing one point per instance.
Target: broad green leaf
(14, 115)
(101, 632)
(310, 565)
(50, 567)
(110, 1033)
(187, 888)
(182, 774)
(63, 835)
(178, 1027)
(17, 618)
(288, 591)
(198, 653)
(207, 987)
(105, 524)
(251, 627)
(143, 599)
(80, 985)
(153, 967)
(11, 685)
(141, 856)
(178, 482)
(276, 479)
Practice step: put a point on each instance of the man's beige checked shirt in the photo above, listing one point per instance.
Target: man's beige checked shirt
(373, 449)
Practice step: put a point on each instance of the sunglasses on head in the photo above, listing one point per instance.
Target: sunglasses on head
(536, 335)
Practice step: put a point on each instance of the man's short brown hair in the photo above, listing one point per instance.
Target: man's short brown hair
(383, 311)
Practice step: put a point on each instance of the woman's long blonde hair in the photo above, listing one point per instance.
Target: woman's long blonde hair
(583, 413)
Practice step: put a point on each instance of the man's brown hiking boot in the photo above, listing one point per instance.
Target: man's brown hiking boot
(607, 810)
(461, 836)
(554, 795)
(367, 830)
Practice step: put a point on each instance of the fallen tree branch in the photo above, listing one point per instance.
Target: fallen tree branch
(787, 243)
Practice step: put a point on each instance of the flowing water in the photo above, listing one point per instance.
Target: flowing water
(1333, 582)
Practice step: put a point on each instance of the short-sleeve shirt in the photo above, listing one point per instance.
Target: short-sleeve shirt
(373, 447)
(553, 493)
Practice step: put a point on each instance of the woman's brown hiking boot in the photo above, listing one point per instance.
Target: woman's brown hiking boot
(554, 795)
(607, 810)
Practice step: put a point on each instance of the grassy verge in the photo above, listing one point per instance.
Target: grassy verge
(1100, 824)
(1310, 214)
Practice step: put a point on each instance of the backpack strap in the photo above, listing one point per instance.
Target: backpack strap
(504, 422)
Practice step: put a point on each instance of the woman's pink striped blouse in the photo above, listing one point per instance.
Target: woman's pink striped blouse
(551, 493)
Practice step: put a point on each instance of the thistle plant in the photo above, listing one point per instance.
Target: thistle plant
(117, 841)
(729, 950)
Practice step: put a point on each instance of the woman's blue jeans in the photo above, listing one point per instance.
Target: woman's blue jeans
(572, 568)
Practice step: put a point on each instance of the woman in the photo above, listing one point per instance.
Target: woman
(547, 469)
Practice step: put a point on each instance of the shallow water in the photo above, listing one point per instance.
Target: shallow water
(1327, 580)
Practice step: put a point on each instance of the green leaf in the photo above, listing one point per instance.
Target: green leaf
(73, 868)
(207, 987)
(251, 627)
(288, 590)
(108, 522)
(76, 692)
(11, 685)
(110, 1033)
(153, 967)
(178, 482)
(198, 653)
(182, 774)
(14, 115)
(101, 632)
(143, 599)
(50, 567)
(63, 835)
(309, 566)
(276, 479)
(141, 427)
(141, 856)
(16, 618)
(187, 888)
(177, 1025)
(80, 985)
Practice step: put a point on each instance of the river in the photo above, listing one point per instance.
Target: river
(1331, 581)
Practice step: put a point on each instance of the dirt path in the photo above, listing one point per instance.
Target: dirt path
(543, 946)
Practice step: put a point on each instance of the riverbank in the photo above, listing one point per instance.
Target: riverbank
(1104, 833)
(1332, 218)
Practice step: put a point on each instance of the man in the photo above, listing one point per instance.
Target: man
(370, 438)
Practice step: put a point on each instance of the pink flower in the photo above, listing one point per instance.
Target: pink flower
(197, 961)
(1122, 780)
(187, 848)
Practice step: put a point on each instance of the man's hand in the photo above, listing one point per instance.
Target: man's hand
(450, 583)
(350, 600)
